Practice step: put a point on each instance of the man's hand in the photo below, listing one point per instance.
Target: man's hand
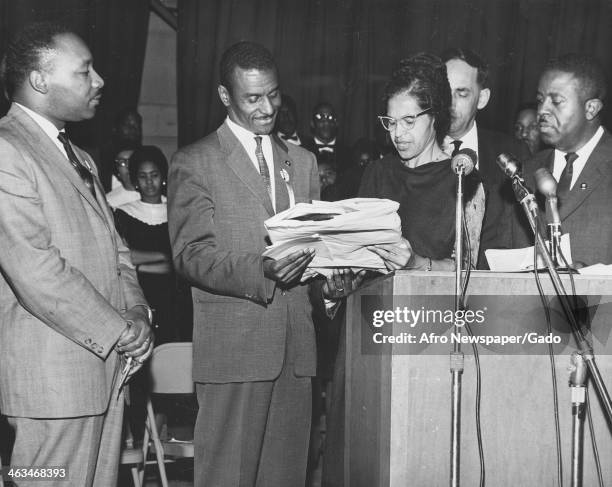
(288, 270)
(396, 256)
(341, 283)
(136, 341)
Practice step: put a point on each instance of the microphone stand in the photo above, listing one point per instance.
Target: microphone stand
(530, 207)
(456, 356)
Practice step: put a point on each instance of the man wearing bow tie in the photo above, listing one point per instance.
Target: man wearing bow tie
(253, 337)
(70, 303)
(324, 126)
(468, 78)
(571, 95)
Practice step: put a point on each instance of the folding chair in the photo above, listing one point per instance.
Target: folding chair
(170, 373)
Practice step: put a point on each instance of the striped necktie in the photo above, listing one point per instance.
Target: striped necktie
(263, 165)
(82, 171)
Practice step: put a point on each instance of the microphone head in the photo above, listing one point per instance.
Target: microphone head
(546, 183)
(464, 161)
(509, 164)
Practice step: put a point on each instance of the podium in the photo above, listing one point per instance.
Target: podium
(398, 406)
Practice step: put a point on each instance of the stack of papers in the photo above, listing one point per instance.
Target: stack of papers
(520, 260)
(339, 231)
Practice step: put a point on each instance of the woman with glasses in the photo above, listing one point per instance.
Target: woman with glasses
(122, 190)
(419, 174)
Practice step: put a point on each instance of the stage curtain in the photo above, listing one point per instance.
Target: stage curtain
(342, 51)
(116, 33)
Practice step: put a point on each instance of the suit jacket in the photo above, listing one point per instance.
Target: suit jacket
(501, 208)
(341, 155)
(65, 279)
(586, 214)
(217, 204)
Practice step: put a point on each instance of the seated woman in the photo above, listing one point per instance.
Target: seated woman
(420, 178)
(143, 224)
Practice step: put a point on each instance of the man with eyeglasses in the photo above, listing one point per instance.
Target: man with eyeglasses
(468, 78)
(324, 126)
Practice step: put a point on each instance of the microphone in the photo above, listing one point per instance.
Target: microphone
(512, 168)
(464, 161)
(547, 185)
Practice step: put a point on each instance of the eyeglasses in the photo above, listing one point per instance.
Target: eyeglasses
(122, 162)
(325, 116)
(406, 123)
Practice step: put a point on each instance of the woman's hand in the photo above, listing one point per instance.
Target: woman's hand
(395, 256)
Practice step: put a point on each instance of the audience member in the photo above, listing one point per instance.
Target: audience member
(363, 153)
(287, 121)
(143, 224)
(254, 341)
(468, 77)
(571, 95)
(123, 191)
(70, 304)
(324, 126)
(420, 178)
(526, 127)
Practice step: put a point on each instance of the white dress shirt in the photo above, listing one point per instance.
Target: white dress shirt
(468, 141)
(247, 139)
(583, 156)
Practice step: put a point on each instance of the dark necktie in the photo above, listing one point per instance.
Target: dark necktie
(457, 144)
(263, 166)
(82, 171)
(565, 181)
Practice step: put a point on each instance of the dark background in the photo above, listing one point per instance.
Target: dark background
(339, 51)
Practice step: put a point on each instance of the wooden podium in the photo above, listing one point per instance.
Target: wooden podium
(398, 407)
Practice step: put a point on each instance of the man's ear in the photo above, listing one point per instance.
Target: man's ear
(483, 98)
(224, 95)
(592, 108)
(38, 81)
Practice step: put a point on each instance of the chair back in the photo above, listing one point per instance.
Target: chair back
(171, 369)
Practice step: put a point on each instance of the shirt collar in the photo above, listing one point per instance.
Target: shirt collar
(470, 139)
(320, 142)
(585, 151)
(244, 136)
(45, 124)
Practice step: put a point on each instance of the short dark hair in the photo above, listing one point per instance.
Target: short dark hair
(586, 69)
(147, 153)
(471, 58)
(24, 53)
(244, 55)
(424, 77)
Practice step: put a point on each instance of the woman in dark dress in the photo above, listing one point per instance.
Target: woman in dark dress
(144, 226)
(420, 178)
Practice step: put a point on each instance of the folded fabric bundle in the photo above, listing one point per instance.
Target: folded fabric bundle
(339, 231)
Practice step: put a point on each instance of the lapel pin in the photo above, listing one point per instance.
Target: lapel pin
(288, 163)
(583, 186)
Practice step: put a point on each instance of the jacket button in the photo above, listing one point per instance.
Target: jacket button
(88, 341)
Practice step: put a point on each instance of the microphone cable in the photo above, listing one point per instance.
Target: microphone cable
(481, 457)
(588, 402)
(551, 357)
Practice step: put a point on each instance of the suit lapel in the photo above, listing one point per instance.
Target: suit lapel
(594, 172)
(240, 163)
(283, 173)
(46, 152)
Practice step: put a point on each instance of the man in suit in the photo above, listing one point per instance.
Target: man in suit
(287, 122)
(254, 346)
(468, 78)
(70, 303)
(571, 95)
(324, 126)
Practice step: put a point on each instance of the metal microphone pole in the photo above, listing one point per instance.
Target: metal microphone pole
(578, 389)
(586, 350)
(462, 164)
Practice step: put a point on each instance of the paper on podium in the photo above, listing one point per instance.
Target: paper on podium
(520, 260)
(596, 270)
(339, 231)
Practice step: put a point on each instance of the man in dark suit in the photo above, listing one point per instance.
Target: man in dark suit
(468, 77)
(571, 95)
(324, 126)
(287, 122)
(70, 303)
(254, 345)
